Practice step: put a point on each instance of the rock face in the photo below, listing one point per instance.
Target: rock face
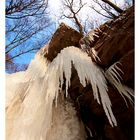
(63, 37)
(115, 44)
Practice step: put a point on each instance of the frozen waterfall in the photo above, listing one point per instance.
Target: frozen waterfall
(35, 105)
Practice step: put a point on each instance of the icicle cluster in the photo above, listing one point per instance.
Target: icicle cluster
(88, 39)
(87, 71)
(31, 112)
(113, 76)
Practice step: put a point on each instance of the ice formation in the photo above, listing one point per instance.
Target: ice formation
(36, 109)
(113, 76)
(87, 72)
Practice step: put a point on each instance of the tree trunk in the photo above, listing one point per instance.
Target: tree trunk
(119, 10)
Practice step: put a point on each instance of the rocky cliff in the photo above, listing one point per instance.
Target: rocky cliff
(114, 44)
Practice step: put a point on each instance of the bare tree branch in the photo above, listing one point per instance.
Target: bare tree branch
(92, 7)
(22, 53)
(26, 7)
(106, 9)
(26, 22)
(73, 12)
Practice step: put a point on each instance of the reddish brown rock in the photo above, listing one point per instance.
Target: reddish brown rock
(117, 39)
(127, 66)
(63, 37)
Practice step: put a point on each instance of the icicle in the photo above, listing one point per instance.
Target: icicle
(94, 55)
(113, 76)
